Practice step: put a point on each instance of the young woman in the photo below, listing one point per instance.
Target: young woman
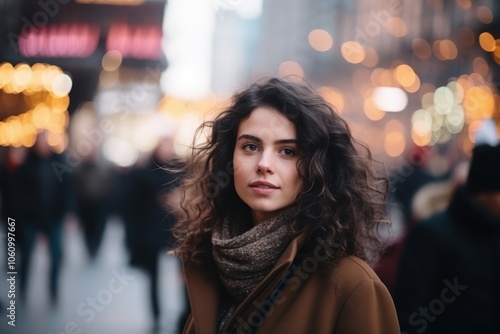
(280, 213)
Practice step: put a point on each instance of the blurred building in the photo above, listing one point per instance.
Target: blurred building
(57, 55)
(75, 35)
(402, 73)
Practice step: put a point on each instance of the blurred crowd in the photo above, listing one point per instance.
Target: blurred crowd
(443, 264)
(43, 192)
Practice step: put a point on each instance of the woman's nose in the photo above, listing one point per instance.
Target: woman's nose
(265, 164)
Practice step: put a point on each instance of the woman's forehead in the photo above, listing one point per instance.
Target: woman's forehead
(265, 121)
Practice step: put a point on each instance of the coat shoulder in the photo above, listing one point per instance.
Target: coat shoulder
(348, 276)
(360, 294)
(353, 274)
(354, 270)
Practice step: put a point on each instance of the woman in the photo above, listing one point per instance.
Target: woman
(279, 216)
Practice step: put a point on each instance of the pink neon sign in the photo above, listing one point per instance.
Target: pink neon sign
(139, 42)
(77, 40)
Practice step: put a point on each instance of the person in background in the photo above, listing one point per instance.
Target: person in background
(280, 212)
(93, 190)
(149, 216)
(435, 196)
(408, 180)
(14, 185)
(15, 189)
(450, 267)
(49, 200)
(422, 168)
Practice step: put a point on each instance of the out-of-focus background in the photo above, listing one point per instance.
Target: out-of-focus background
(104, 83)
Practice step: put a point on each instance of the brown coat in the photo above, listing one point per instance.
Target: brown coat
(348, 299)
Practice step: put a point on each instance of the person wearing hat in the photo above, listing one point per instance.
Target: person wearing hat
(449, 273)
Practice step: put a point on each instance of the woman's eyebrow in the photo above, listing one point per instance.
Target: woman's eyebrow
(257, 139)
(250, 137)
(286, 141)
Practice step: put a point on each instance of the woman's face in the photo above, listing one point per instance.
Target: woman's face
(265, 163)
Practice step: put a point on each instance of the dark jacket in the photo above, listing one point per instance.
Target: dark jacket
(297, 296)
(38, 192)
(149, 221)
(449, 275)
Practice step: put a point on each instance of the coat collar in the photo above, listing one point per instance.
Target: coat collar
(204, 290)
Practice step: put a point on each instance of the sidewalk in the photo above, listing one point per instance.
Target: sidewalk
(106, 296)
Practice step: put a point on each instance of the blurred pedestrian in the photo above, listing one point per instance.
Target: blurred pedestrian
(408, 180)
(15, 186)
(280, 214)
(15, 189)
(149, 218)
(435, 197)
(405, 184)
(450, 268)
(93, 188)
(49, 200)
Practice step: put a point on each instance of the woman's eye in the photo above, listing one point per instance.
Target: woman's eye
(288, 152)
(250, 147)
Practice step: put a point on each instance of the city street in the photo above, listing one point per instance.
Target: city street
(107, 296)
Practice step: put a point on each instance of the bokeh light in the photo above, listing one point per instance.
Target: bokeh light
(395, 142)
(112, 60)
(464, 4)
(466, 36)
(291, 68)
(44, 91)
(333, 96)
(320, 40)
(371, 57)
(487, 41)
(353, 52)
(391, 99)
(397, 27)
(484, 14)
(372, 112)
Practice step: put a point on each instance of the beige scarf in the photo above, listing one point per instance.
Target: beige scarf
(244, 258)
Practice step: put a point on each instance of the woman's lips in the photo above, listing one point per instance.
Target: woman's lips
(263, 188)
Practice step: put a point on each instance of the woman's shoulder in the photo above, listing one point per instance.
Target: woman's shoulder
(355, 266)
(352, 283)
(352, 272)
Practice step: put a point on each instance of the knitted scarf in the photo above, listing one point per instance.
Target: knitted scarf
(245, 256)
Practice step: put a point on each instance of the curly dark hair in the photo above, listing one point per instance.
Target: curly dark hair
(342, 199)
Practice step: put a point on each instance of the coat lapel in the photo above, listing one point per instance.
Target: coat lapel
(203, 291)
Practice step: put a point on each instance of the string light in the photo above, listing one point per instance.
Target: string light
(44, 89)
